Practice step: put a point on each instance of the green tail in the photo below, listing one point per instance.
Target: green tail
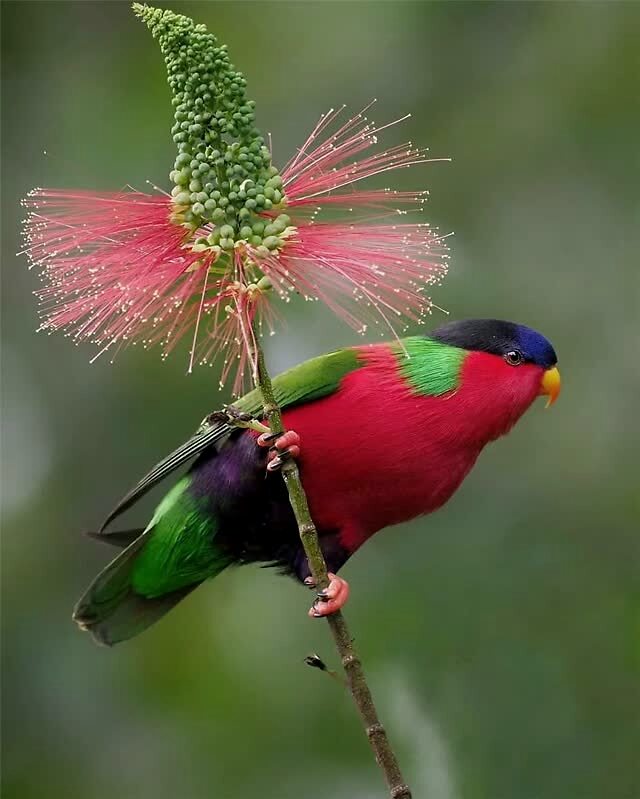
(158, 568)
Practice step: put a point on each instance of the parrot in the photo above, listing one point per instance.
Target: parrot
(382, 433)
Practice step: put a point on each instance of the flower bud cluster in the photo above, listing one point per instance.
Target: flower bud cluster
(263, 236)
(223, 177)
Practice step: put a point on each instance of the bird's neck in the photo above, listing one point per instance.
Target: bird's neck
(491, 396)
(451, 397)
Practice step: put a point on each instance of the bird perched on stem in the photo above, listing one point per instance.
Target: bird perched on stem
(383, 433)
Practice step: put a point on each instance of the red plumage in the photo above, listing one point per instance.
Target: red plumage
(432, 441)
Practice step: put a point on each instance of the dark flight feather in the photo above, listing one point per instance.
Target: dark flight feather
(194, 446)
(117, 538)
(111, 610)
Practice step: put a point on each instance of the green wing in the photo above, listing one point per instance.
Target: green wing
(152, 574)
(181, 551)
(316, 378)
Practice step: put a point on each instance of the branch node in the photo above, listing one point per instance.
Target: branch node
(307, 528)
(375, 729)
(350, 661)
(400, 792)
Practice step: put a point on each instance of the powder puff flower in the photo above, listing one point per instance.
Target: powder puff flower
(206, 261)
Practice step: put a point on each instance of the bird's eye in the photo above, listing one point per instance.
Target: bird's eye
(514, 358)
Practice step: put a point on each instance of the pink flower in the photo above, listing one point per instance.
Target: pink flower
(371, 267)
(206, 261)
(118, 270)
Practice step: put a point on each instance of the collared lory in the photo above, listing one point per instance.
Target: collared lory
(383, 433)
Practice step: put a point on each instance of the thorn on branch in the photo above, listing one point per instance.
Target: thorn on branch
(316, 662)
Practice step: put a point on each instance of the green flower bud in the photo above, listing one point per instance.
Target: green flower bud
(219, 145)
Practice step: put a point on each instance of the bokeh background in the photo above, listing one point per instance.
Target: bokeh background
(500, 635)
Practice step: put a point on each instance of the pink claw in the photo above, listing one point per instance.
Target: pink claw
(288, 442)
(333, 597)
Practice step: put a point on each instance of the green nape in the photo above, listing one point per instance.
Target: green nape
(430, 367)
(316, 378)
(181, 548)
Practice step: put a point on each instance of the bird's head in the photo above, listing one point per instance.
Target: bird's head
(507, 367)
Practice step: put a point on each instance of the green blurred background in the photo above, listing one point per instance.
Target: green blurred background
(500, 635)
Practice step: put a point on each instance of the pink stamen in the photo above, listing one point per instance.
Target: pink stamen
(118, 270)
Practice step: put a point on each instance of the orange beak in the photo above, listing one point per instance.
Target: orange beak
(550, 385)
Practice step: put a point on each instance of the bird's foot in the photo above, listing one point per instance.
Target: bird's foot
(233, 416)
(331, 599)
(282, 447)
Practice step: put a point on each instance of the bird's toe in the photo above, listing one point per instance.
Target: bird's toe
(282, 447)
(332, 598)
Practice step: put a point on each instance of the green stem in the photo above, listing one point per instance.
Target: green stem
(358, 686)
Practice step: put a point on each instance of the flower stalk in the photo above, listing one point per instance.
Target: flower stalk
(356, 680)
(207, 260)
